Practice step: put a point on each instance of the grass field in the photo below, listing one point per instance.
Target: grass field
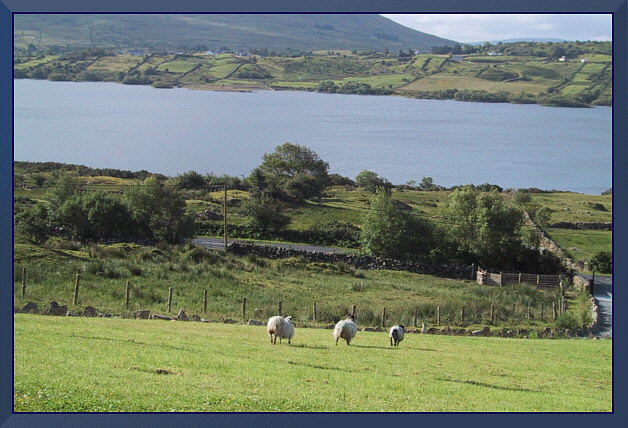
(105, 270)
(581, 245)
(434, 72)
(114, 365)
(441, 82)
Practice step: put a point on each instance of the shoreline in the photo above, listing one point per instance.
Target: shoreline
(258, 88)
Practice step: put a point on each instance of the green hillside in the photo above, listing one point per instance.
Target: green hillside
(279, 32)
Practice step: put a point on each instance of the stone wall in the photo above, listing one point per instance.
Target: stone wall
(582, 226)
(448, 270)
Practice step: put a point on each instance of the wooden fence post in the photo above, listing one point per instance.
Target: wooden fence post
(416, 317)
(542, 312)
(501, 279)
(437, 315)
(244, 308)
(514, 308)
(314, 312)
(472, 270)
(529, 314)
(23, 282)
(554, 309)
(170, 299)
(519, 277)
(126, 295)
(76, 288)
(205, 302)
(383, 317)
(280, 308)
(538, 280)
(353, 309)
(492, 314)
(462, 314)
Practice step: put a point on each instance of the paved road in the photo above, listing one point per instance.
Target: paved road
(603, 295)
(219, 243)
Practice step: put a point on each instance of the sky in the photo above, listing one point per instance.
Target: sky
(489, 27)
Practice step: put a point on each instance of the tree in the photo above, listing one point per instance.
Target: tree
(370, 181)
(33, 224)
(265, 215)
(602, 262)
(390, 232)
(281, 168)
(158, 213)
(190, 180)
(482, 224)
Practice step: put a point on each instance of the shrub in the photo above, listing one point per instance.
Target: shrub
(602, 262)
(568, 320)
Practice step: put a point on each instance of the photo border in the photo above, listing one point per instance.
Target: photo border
(620, 201)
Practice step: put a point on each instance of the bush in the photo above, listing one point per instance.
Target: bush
(602, 262)
(568, 320)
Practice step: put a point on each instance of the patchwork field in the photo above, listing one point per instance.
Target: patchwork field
(114, 365)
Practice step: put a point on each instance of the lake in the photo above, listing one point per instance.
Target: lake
(109, 125)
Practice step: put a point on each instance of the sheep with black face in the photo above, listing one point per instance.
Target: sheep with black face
(396, 334)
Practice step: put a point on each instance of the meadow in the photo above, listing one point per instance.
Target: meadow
(533, 78)
(150, 272)
(115, 365)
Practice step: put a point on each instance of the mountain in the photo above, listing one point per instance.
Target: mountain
(528, 39)
(279, 32)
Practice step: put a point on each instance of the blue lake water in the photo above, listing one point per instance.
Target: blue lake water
(177, 130)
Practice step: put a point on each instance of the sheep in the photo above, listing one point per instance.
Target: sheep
(396, 334)
(281, 327)
(345, 329)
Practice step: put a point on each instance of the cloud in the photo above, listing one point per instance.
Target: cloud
(480, 27)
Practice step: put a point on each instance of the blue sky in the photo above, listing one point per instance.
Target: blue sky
(480, 27)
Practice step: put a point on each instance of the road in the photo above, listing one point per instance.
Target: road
(219, 243)
(603, 295)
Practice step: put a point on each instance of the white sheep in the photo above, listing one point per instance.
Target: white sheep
(346, 329)
(280, 327)
(396, 334)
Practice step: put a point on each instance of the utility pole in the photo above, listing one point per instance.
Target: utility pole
(225, 217)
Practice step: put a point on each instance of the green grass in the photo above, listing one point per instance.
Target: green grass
(576, 207)
(113, 365)
(581, 245)
(298, 284)
(434, 72)
(177, 66)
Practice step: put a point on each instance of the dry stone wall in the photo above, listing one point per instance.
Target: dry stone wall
(448, 270)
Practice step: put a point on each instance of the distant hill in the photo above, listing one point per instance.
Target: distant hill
(279, 32)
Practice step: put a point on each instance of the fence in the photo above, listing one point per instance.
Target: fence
(506, 278)
(311, 313)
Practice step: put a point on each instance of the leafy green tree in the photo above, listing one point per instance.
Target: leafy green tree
(602, 262)
(390, 232)
(482, 224)
(265, 215)
(158, 213)
(370, 181)
(289, 164)
(190, 180)
(33, 223)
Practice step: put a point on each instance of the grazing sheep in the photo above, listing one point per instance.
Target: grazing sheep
(346, 329)
(280, 327)
(396, 334)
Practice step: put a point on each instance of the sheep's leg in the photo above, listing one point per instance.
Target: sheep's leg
(348, 342)
(337, 341)
(288, 341)
(271, 337)
(275, 341)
